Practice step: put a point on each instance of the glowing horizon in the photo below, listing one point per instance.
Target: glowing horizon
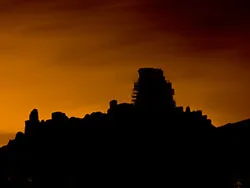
(75, 56)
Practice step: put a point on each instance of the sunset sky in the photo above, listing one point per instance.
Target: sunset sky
(76, 56)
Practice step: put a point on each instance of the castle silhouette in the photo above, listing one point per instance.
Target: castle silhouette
(148, 142)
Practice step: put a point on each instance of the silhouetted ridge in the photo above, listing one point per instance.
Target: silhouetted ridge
(149, 142)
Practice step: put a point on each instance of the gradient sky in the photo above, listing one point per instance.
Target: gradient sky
(76, 56)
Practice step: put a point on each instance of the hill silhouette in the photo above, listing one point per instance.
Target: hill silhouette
(148, 142)
(4, 137)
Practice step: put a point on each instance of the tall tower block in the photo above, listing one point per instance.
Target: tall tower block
(152, 91)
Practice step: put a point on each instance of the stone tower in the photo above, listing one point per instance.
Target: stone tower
(152, 91)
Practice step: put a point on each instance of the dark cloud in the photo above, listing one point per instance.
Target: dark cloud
(207, 14)
(52, 4)
(208, 24)
(116, 27)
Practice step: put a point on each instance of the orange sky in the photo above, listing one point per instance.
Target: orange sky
(75, 57)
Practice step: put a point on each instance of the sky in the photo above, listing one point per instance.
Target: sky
(75, 56)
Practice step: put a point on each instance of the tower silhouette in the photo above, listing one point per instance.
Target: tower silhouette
(152, 91)
(33, 122)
